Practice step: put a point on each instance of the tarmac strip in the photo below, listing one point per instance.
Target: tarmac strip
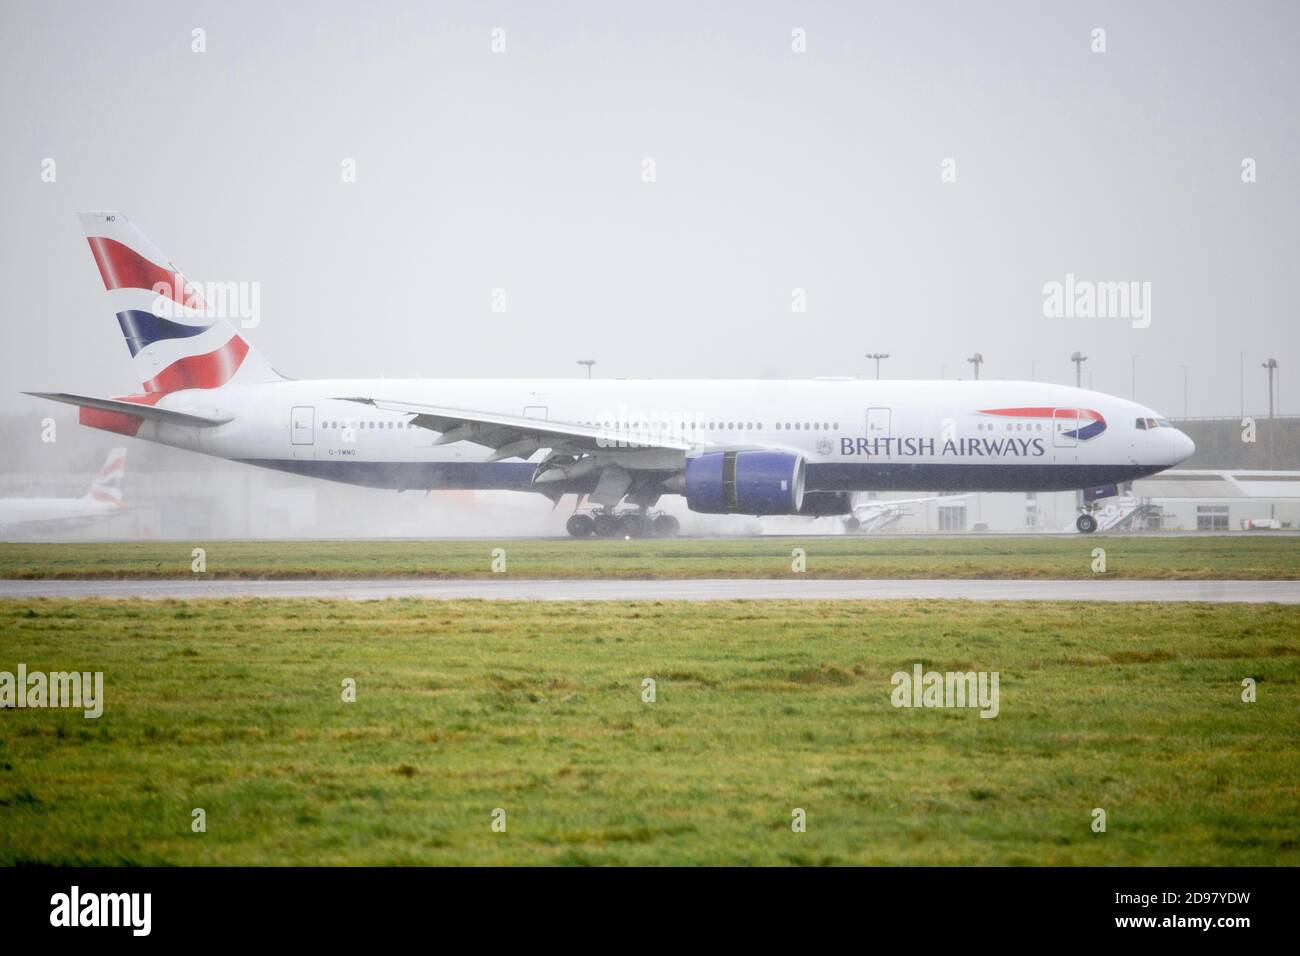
(723, 589)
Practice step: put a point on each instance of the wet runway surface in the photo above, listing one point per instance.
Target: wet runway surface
(1287, 592)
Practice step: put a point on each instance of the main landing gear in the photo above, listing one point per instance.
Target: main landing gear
(1086, 523)
(623, 524)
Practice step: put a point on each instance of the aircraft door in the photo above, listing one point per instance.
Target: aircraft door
(302, 425)
(1065, 427)
(877, 423)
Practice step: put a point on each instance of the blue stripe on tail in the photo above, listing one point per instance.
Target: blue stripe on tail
(143, 329)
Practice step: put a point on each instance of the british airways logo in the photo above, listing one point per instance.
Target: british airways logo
(1068, 425)
(914, 446)
(1080, 424)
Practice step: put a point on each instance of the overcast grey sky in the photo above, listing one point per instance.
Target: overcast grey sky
(776, 170)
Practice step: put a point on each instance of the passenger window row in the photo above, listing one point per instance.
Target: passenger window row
(630, 426)
(714, 426)
(367, 424)
(1013, 426)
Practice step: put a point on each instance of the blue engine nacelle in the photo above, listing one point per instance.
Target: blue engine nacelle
(745, 483)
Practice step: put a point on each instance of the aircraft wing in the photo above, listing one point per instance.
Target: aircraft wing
(513, 436)
(150, 413)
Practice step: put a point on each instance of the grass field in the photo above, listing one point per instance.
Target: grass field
(465, 707)
(1189, 558)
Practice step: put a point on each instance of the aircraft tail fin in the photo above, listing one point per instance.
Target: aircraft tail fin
(107, 485)
(176, 338)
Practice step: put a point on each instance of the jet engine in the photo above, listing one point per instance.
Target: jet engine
(745, 482)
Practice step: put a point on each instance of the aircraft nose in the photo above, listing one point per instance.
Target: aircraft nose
(1184, 447)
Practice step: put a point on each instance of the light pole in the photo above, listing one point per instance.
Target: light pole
(1271, 365)
(1241, 376)
(589, 363)
(1033, 370)
(1184, 391)
(976, 360)
(877, 356)
(1078, 358)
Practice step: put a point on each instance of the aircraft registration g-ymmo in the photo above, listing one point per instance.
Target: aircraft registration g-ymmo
(727, 446)
(103, 499)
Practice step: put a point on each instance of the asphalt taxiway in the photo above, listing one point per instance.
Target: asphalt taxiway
(728, 589)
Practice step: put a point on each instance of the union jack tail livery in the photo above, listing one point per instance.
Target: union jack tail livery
(176, 340)
(107, 486)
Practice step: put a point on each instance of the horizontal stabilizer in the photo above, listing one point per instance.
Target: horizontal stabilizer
(147, 412)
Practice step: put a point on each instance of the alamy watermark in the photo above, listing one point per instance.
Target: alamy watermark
(1085, 299)
(182, 298)
(950, 689)
(78, 690)
(75, 908)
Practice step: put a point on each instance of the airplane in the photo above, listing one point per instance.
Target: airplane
(103, 499)
(881, 514)
(727, 446)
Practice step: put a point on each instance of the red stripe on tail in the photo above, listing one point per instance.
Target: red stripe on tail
(210, 370)
(119, 422)
(121, 267)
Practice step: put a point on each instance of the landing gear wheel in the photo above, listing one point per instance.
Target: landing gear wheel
(852, 524)
(665, 526)
(580, 525)
(633, 525)
(1086, 523)
(605, 525)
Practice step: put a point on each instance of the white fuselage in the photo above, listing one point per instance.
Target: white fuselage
(855, 435)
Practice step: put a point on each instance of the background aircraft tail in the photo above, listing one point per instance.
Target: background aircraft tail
(177, 340)
(107, 485)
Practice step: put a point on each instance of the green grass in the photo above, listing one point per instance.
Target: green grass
(1188, 558)
(464, 707)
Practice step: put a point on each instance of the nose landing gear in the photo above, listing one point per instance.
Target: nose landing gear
(1086, 523)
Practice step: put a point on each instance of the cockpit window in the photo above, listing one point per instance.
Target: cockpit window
(1144, 424)
(1141, 424)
